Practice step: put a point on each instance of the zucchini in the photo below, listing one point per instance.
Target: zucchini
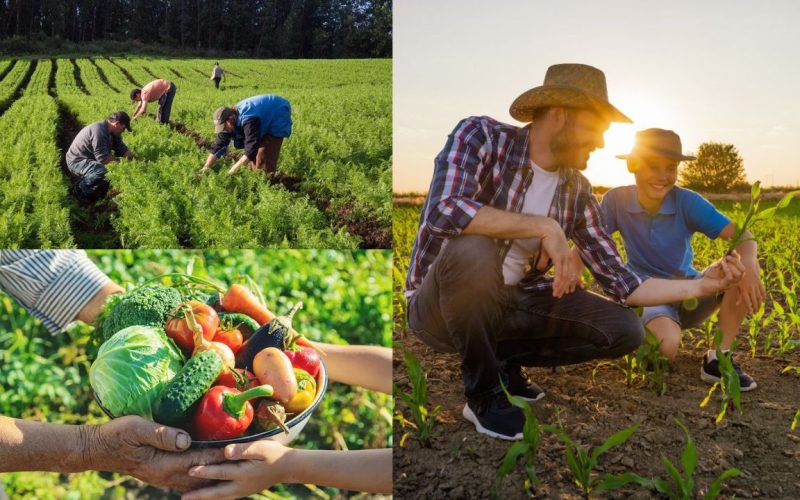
(175, 401)
(243, 322)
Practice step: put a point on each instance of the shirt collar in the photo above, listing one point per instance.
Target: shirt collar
(668, 206)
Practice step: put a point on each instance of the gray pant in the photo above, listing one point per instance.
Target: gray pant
(165, 104)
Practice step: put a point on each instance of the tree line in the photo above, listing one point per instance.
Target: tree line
(256, 28)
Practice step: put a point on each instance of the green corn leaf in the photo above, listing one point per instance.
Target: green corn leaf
(673, 471)
(611, 482)
(615, 440)
(688, 457)
(787, 199)
(716, 485)
(513, 454)
(663, 486)
(755, 190)
(796, 420)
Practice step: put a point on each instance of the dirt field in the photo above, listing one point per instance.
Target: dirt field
(462, 463)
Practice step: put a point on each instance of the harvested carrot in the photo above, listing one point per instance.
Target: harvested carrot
(238, 299)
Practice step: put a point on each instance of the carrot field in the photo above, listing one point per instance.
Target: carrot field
(439, 455)
(334, 173)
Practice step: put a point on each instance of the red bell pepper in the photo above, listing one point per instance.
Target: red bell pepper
(304, 358)
(225, 412)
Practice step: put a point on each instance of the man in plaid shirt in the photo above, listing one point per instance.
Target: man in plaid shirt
(503, 202)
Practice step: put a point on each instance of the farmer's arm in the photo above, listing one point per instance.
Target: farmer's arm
(129, 445)
(55, 286)
(218, 149)
(141, 108)
(262, 464)
(366, 366)
(252, 136)
(244, 159)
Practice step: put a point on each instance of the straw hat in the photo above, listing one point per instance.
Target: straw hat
(570, 85)
(657, 141)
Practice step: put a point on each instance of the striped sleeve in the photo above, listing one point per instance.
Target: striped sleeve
(53, 285)
(600, 253)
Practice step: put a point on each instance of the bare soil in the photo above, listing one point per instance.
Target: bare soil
(462, 463)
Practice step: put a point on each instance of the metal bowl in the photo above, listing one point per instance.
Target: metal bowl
(295, 425)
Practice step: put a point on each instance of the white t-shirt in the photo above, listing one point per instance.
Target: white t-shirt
(537, 201)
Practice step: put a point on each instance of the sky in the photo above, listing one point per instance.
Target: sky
(724, 71)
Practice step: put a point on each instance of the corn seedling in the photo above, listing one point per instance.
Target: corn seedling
(424, 420)
(728, 385)
(683, 485)
(652, 363)
(531, 436)
(583, 461)
(753, 215)
(795, 420)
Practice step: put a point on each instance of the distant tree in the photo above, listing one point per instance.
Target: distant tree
(718, 169)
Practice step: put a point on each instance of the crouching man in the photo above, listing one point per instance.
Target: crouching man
(90, 152)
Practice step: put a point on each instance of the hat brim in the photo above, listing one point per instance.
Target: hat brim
(667, 154)
(555, 95)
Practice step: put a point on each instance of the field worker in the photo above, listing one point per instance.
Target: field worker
(657, 220)
(217, 74)
(90, 152)
(162, 91)
(59, 287)
(258, 124)
(502, 203)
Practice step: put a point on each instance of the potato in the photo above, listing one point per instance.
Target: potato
(271, 366)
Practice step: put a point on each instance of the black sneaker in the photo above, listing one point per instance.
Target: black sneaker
(496, 417)
(710, 373)
(520, 385)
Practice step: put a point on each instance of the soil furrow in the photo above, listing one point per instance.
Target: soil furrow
(7, 70)
(124, 72)
(147, 70)
(20, 88)
(76, 73)
(103, 77)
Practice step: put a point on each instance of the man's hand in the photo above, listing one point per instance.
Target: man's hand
(148, 451)
(565, 270)
(575, 263)
(724, 274)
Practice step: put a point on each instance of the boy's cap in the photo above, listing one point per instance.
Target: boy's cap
(657, 141)
(221, 115)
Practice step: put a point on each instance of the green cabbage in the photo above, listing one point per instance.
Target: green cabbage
(131, 369)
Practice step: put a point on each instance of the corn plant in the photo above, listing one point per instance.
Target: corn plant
(728, 385)
(683, 486)
(652, 363)
(531, 436)
(753, 215)
(424, 420)
(795, 420)
(583, 461)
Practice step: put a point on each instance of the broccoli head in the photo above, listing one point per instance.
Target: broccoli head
(145, 306)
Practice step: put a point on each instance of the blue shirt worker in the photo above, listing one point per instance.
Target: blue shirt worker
(657, 221)
(90, 152)
(258, 124)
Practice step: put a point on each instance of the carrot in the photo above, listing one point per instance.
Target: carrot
(239, 299)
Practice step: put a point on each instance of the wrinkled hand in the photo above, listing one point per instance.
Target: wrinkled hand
(253, 467)
(751, 291)
(151, 452)
(724, 274)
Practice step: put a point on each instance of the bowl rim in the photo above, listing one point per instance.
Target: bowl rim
(299, 418)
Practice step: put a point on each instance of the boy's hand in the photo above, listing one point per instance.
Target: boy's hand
(724, 274)
(751, 291)
(260, 465)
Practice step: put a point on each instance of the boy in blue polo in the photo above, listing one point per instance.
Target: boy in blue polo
(657, 220)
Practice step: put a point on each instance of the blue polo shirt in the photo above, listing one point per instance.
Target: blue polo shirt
(660, 245)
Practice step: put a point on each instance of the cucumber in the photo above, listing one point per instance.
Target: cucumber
(243, 322)
(174, 403)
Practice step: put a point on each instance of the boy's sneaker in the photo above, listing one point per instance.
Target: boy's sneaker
(709, 372)
(495, 417)
(520, 385)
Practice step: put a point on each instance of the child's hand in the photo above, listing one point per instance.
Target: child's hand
(260, 465)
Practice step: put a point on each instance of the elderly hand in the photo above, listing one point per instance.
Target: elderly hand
(260, 465)
(148, 451)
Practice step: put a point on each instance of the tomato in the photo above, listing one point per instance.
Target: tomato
(178, 329)
(306, 392)
(304, 358)
(232, 338)
(227, 379)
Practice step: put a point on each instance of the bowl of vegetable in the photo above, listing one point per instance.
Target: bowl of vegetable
(208, 367)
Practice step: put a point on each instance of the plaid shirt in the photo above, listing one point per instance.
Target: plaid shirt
(486, 162)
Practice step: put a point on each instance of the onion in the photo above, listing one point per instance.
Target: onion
(201, 344)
